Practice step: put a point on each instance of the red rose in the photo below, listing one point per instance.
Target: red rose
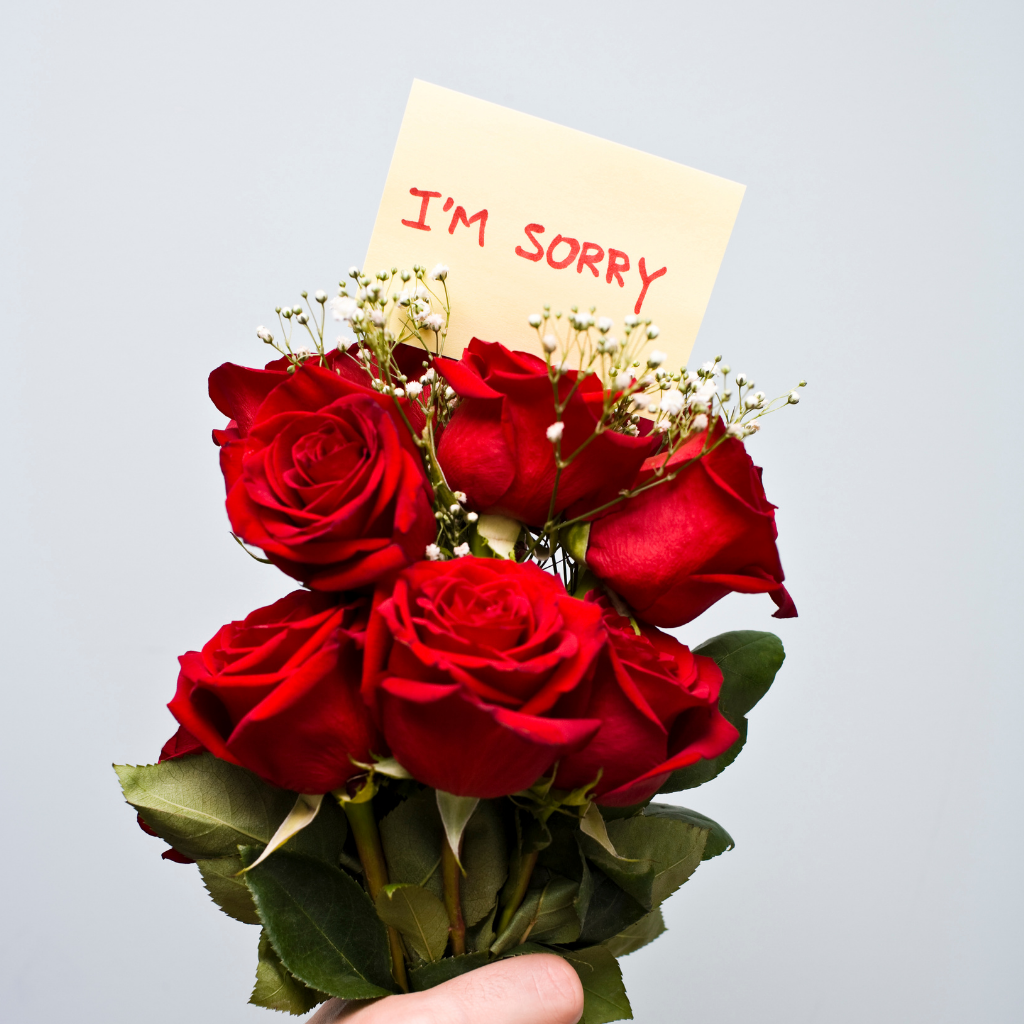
(676, 549)
(658, 706)
(278, 693)
(322, 473)
(465, 662)
(495, 448)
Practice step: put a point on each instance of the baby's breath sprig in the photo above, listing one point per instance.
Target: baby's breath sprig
(680, 404)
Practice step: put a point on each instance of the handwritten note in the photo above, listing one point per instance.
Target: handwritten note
(525, 212)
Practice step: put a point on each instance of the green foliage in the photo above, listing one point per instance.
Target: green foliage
(227, 890)
(655, 855)
(324, 838)
(455, 814)
(429, 975)
(545, 915)
(718, 841)
(202, 806)
(604, 995)
(630, 939)
(749, 661)
(419, 915)
(485, 858)
(322, 925)
(411, 836)
(609, 910)
(276, 989)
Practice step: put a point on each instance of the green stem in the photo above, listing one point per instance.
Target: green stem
(451, 876)
(527, 862)
(375, 871)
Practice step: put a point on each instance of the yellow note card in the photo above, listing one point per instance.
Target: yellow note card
(525, 212)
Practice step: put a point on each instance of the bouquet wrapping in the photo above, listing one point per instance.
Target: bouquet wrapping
(444, 747)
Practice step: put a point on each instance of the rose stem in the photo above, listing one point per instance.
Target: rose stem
(371, 856)
(451, 875)
(527, 862)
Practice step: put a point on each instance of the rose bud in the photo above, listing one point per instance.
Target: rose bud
(322, 473)
(465, 662)
(496, 447)
(278, 693)
(658, 706)
(674, 550)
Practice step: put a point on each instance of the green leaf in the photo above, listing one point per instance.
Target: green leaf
(749, 660)
(719, 841)
(656, 855)
(609, 910)
(604, 995)
(419, 915)
(324, 838)
(556, 920)
(485, 857)
(428, 975)
(481, 938)
(592, 824)
(547, 915)
(227, 890)
(202, 806)
(322, 925)
(630, 939)
(411, 836)
(276, 989)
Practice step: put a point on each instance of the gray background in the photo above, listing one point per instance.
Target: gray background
(170, 172)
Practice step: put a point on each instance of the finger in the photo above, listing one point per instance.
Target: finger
(535, 989)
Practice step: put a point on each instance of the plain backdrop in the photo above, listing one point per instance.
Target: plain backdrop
(170, 172)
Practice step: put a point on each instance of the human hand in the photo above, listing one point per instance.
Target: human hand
(535, 989)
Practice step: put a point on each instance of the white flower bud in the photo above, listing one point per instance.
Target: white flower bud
(428, 376)
(376, 318)
(461, 550)
(656, 358)
(471, 517)
(735, 430)
(413, 389)
(751, 401)
(439, 273)
(398, 392)
(631, 320)
(449, 393)
(707, 368)
(741, 379)
(653, 331)
(320, 296)
(611, 346)
(455, 509)
(549, 342)
(700, 423)
(793, 398)
(459, 495)
(725, 368)
(342, 307)
(604, 324)
(433, 553)
(672, 403)
(554, 432)
(623, 381)
(535, 319)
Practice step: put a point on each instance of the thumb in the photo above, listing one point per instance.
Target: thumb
(536, 989)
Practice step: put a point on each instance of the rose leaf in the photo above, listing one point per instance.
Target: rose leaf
(604, 995)
(411, 836)
(719, 841)
(749, 660)
(276, 989)
(321, 924)
(227, 889)
(636, 935)
(428, 975)
(419, 915)
(202, 806)
(485, 858)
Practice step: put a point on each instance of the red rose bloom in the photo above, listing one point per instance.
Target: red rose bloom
(322, 473)
(278, 693)
(676, 549)
(658, 706)
(465, 662)
(495, 448)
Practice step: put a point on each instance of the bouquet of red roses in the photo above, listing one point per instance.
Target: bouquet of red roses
(443, 748)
